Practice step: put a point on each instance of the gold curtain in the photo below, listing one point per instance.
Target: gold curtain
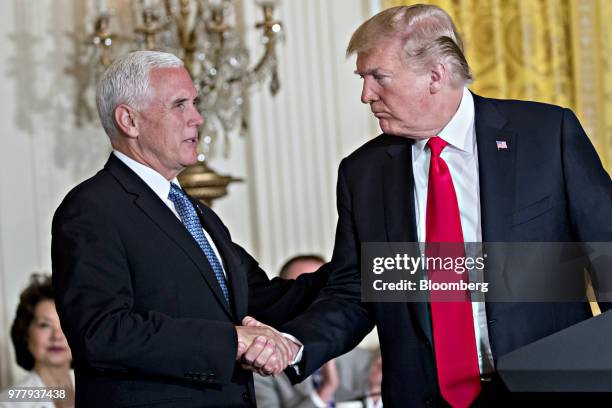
(555, 51)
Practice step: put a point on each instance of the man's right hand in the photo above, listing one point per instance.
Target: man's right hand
(263, 349)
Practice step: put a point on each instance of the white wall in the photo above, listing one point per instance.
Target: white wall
(42, 153)
(289, 160)
(298, 138)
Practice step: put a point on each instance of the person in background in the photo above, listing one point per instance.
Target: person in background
(354, 376)
(40, 347)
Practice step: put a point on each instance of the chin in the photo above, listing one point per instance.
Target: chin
(399, 131)
(387, 127)
(190, 159)
(58, 361)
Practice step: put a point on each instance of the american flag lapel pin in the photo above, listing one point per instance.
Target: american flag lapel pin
(501, 144)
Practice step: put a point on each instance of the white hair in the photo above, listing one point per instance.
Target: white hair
(126, 81)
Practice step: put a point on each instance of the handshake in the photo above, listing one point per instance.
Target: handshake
(263, 349)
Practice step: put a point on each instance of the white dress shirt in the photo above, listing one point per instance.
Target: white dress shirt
(461, 156)
(161, 186)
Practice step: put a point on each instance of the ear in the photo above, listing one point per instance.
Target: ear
(125, 117)
(437, 77)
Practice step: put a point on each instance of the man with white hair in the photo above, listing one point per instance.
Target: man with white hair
(150, 289)
(454, 167)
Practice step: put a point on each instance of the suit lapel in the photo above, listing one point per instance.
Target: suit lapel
(232, 263)
(149, 203)
(400, 214)
(398, 188)
(496, 170)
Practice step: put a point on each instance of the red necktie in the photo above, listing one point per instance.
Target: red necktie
(453, 324)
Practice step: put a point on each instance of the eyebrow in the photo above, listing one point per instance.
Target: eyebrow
(178, 101)
(372, 71)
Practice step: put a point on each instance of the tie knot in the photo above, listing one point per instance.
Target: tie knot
(175, 192)
(436, 145)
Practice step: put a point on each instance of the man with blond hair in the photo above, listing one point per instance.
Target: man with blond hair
(451, 166)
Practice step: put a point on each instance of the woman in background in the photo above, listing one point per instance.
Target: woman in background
(40, 348)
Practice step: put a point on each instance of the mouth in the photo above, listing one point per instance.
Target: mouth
(381, 115)
(56, 349)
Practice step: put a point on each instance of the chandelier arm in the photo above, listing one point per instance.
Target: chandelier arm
(268, 26)
(269, 53)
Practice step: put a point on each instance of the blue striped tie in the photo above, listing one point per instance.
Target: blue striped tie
(191, 221)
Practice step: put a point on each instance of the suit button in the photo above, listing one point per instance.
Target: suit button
(429, 402)
(245, 397)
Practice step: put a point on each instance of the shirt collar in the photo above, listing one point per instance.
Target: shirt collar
(458, 132)
(158, 183)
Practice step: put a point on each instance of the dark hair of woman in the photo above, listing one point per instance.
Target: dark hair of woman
(38, 290)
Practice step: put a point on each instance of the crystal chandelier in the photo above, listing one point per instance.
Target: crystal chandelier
(203, 34)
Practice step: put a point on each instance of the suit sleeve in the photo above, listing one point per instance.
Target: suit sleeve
(272, 301)
(589, 188)
(95, 300)
(337, 320)
(276, 301)
(589, 195)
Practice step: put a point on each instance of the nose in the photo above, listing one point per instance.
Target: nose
(368, 95)
(57, 332)
(197, 119)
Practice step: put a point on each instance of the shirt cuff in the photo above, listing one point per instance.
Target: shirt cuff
(298, 356)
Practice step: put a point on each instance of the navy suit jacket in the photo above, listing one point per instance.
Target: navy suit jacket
(547, 186)
(140, 305)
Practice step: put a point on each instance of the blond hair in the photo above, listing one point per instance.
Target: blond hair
(428, 34)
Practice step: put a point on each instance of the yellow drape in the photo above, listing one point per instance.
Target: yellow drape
(555, 51)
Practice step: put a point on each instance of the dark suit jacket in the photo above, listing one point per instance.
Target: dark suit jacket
(548, 186)
(141, 308)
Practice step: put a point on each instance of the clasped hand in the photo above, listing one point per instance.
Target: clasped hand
(263, 349)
